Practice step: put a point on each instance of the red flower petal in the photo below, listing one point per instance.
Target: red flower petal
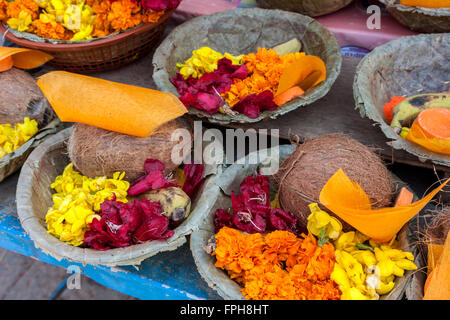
(194, 178)
(252, 104)
(151, 165)
(204, 93)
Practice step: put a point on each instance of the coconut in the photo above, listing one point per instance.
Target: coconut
(304, 173)
(20, 97)
(97, 152)
(436, 232)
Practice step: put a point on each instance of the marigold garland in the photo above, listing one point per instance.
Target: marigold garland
(277, 266)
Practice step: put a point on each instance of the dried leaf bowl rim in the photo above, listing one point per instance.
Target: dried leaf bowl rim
(161, 76)
(365, 104)
(132, 255)
(309, 12)
(440, 12)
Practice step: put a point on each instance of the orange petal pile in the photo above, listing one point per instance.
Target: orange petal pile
(278, 265)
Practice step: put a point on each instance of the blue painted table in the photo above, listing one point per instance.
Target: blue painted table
(168, 275)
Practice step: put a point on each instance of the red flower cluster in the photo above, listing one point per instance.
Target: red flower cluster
(154, 179)
(252, 104)
(204, 93)
(251, 210)
(125, 224)
(194, 178)
(157, 5)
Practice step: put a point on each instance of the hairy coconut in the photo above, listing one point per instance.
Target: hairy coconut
(20, 97)
(98, 152)
(436, 232)
(304, 173)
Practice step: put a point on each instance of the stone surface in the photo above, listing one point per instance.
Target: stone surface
(24, 278)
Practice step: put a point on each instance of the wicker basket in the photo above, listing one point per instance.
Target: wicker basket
(100, 54)
(312, 8)
(34, 197)
(403, 67)
(229, 181)
(426, 20)
(241, 31)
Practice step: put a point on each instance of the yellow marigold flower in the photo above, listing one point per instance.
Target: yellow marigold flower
(204, 60)
(76, 201)
(320, 223)
(22, 22)
(12, 138)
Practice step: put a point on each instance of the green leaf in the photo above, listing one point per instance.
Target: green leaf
(323, 239)
(364, 247)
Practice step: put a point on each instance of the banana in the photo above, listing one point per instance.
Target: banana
(406, 111)
(175, 203)
(291, 46)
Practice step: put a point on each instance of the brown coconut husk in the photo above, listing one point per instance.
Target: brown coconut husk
(97, 152)
(20, 97)
(436, 232)
(304, 173)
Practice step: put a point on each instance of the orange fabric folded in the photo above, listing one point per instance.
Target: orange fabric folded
(347, 200)
(22, 58)
(438, 285)
(426, 3)
(301, 69)
(109, 105)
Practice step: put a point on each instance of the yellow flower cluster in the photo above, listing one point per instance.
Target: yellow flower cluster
(321, 224)
(204, 60)
(76, 201)
(11, 138)
(20, 13)
(74, 15)
(364, 272)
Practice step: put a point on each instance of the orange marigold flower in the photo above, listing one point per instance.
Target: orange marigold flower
(119, 15)
(3, 15)
(265, 68)
(152, 17)
(51, 30)
(277, 266)
(14, 8)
